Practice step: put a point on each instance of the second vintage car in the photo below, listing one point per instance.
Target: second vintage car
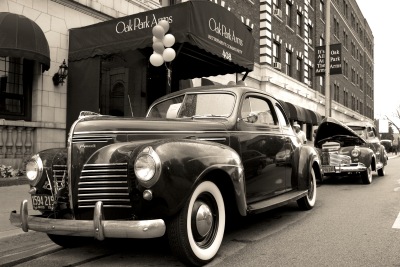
(350, 149)
(201, 157)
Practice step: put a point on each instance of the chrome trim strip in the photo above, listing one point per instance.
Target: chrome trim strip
(178, 132)
(104, 194)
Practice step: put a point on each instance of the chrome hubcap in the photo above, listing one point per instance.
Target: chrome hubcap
(204, 219)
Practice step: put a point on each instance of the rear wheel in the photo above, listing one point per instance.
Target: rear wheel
(195, 234)
(381, 171)
(307, 202)
(366, 176)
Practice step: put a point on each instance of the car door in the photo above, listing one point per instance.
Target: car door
(290, 143)
(260, 137)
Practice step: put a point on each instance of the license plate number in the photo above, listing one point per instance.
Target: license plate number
(42, 202)
(328, 168)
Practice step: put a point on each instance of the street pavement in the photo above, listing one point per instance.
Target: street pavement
(11, 197)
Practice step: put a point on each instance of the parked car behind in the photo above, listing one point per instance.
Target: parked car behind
(388, 144)
(199, 158)
(350, 149)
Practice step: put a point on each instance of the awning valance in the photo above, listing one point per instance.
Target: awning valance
(301, 114)
(209, 39)
(23, 38)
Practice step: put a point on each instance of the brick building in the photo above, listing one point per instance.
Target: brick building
(33, 110)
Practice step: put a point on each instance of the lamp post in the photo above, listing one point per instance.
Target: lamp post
(328, 100)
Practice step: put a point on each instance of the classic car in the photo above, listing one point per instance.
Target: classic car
(350, 149)
(179, 172)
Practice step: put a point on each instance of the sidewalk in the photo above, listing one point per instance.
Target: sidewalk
(10, 199)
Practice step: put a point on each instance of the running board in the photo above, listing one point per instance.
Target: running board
(275, 202)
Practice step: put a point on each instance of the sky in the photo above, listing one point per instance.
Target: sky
(383, 19)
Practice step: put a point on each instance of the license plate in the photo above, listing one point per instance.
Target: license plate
(328, 169)
(42, 202)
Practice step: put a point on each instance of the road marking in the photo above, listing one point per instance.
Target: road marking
(397, 222)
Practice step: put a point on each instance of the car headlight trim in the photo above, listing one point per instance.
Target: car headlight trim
(147, 167)
(34, 169)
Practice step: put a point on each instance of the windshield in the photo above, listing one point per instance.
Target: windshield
(359, 130)
(195, 105)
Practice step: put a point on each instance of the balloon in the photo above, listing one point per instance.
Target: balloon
(163, 23)
(169, 54)
(158, 47)
(156, 60)
(155, 39)
(168, 40)
(158, 31)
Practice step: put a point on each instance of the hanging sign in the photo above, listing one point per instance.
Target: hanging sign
(335, 60)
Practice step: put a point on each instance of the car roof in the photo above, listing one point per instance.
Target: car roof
(238, 89)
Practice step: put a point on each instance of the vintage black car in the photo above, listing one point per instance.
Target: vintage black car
(201, 157)
(350, 149)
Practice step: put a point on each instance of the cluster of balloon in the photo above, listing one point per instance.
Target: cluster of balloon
(162, 44)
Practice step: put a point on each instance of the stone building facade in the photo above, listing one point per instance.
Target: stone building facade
(286, 32)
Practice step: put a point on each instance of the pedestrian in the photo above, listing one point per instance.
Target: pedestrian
(301, 136)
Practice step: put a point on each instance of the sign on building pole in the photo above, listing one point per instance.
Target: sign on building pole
(327, 57)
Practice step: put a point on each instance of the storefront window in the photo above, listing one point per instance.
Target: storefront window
(15, 88)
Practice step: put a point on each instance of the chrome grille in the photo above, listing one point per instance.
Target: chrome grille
(60, 175)
(104, 182)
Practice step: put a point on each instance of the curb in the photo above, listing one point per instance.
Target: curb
(21, 180)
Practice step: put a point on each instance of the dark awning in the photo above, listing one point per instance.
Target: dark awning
(301, 114)
(209, 39)
(21, 37)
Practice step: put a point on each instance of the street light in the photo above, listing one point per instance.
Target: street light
(62, 73)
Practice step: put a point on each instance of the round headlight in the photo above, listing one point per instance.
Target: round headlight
(34, 169)
(147, 167)
(355, 152)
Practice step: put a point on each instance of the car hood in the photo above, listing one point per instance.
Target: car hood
(117, 124)
(331, 129)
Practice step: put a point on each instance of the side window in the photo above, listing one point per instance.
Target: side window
(281, 117)
(259, 110)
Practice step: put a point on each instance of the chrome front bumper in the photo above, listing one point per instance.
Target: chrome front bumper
(329, 169)
(97, 228)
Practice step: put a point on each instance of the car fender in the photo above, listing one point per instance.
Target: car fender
(184, 162)
(367, 157)
(305, 158)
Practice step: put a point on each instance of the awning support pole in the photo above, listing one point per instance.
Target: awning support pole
(245, 75)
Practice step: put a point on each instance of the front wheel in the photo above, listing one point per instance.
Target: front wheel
(307, 202)
(195, 234)
(366, 176)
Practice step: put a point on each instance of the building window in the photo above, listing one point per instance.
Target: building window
(277, 4)
(321, 40)
(289, 14)
(345, 98)
(321, 84)
(299, 69)
(298, 24)
(276, 52)
(322, 9)
(288, 67)
(336, 27)
(336, 92)
(15, 88)
(345, 39)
